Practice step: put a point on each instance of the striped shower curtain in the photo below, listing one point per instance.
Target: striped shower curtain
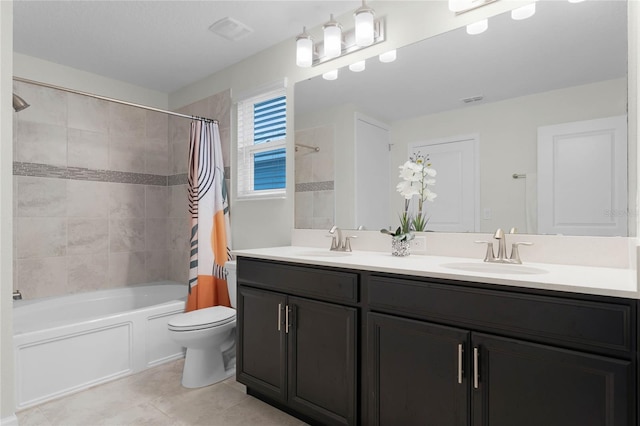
(209, 210)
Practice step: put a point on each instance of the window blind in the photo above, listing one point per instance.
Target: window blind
(262, 145)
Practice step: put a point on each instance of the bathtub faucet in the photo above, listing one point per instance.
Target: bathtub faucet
(17, 295)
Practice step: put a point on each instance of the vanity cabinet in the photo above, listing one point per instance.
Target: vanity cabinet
(300, 353)
(576, 366)
(352, 347)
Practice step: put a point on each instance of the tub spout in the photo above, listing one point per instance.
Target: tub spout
(17, 295)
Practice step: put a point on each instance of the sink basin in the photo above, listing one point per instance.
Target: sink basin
(323, 253)
(494, 268)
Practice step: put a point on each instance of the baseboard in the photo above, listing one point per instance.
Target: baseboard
(9, 421)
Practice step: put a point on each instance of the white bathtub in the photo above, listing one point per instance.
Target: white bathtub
(65, 344)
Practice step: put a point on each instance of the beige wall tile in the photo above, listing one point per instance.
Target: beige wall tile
(42, 277)
(86, 113)
(156, 201)
(126, 200)
(87, 272)
(41, 237)
(126, 235)
(40, 197)
(126, 269)
(87, 199)
(88, 149)
(41, 143)
(87, 236)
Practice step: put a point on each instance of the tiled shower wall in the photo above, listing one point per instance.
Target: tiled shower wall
(96, 204)
(315, 197)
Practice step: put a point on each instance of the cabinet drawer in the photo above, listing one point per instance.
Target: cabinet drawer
(588, 325)
(317, 283)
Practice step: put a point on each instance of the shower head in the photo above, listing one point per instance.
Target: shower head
(18, 103)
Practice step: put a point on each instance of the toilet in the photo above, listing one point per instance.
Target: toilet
(209, 335)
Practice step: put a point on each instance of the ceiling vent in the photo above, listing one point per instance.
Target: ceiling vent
(473, 99)
(231, 29)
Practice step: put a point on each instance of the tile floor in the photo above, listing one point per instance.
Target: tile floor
(155, 397)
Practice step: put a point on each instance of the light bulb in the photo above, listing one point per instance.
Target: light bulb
(364, 26)
(478, 27)
(524, 12)
(304, 49)
(357, 66)
(330, 75)
(332, 39)
(389, 56)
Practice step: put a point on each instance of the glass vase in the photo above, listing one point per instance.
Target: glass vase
(400, 247)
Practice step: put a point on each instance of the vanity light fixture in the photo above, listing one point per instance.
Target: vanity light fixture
(330, 75)
(523, 12)
(461, 6)
(332, 31)
(364, 25)
(304, 49)
(478, 27)
(576, 1)
(387, 57)
(358, 66)
(336, 42)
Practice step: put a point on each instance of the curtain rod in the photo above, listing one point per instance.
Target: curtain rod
(118, 101)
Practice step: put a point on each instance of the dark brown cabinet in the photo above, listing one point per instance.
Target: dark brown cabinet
(421, 373)
(342, 347)
(300, 353)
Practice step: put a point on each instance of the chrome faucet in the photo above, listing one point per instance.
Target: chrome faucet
(501, 257)
(337, 244)
(17, 295)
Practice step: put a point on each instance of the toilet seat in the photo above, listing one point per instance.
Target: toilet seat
(202, 318)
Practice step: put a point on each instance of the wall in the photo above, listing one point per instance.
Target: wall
(508, 140)
(100, 193)
(406, 22)
(91, 202)
(7, 400)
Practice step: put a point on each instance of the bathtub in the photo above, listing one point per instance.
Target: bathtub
(69, 343)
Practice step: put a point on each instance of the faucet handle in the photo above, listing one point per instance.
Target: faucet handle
(347, 242)
(489, 255)
(515, 253)
(513, 230)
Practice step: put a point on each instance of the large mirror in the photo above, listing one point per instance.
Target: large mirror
(500, 94)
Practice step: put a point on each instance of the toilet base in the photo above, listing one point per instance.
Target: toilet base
(204, 367)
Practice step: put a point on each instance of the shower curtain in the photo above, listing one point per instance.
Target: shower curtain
(209, 210)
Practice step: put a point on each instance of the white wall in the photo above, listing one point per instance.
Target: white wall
(508, 139)
(7, 402)
(406, 22)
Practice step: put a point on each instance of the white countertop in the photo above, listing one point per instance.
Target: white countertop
(603, 281)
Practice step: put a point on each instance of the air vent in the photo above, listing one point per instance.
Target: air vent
(231, 29)
(473, 99)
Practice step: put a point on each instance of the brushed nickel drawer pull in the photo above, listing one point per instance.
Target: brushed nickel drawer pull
(460, 353)
(475, 368)
(286, 319)
(279, 315)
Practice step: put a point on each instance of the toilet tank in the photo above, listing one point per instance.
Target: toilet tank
(232, 281)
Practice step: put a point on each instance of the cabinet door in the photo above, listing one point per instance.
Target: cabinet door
(527, 384)
(417, 373)
(322, 361)
(261, 362)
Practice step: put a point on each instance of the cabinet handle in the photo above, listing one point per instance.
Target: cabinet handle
(460, 353)
(475, 368)
(279, 315)
(286, 319)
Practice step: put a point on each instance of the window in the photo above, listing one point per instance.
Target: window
(262, 125)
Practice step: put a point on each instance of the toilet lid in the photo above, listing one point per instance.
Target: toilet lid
(203, 318)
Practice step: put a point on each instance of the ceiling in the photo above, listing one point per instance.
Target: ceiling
(161, 45)
(562, 45)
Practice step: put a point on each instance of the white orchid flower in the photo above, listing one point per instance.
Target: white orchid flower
(429, 195)
(431, 172)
